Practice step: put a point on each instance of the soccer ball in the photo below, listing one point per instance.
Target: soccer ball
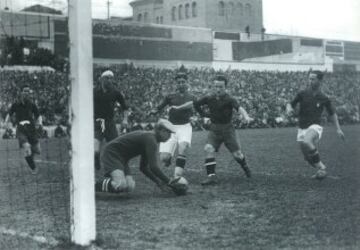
(179, 185)
(182, 180)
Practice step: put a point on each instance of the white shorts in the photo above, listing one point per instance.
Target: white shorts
(183, 134)
(302, 132)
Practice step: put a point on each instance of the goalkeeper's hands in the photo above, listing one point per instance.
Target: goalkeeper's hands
(164, 187)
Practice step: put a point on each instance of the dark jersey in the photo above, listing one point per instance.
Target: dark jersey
(311, 107)
(133, 144)
(220, 108)
(104, 103)
(24, 111)
(178, 117)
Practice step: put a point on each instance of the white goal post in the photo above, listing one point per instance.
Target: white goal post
(82, 193)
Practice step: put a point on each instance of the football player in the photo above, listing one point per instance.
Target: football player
(106, 96)
(28, 121)
(180, 119)
(117, 154)
(312, 103)
(220, 111)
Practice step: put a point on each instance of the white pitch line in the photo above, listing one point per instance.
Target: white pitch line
(40, 239)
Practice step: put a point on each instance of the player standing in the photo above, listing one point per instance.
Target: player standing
(181, 123)
(221, 106)
(117, 154)
(312, 104)
(105, 98)
(28, 120)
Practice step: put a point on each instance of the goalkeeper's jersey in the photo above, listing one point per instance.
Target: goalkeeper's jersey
(137, 143)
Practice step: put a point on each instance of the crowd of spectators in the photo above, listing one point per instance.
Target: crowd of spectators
(263, 94)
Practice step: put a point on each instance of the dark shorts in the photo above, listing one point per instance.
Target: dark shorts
(223, 133)
(111, 160)
(109, 133)
(27, 133)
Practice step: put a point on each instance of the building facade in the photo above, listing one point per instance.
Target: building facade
(224, 15)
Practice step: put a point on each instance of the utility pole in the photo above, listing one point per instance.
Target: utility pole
(108, 9)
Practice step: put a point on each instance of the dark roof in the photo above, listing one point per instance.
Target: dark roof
(42, 9)
(136, 2)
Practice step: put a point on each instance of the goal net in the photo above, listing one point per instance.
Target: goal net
(53, 204)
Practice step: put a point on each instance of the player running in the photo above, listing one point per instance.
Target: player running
(105, 99)
(181, 123)
(28, 121)
(312, 103)
(221, 106)
(117, 154)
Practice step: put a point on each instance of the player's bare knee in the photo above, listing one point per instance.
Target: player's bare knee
(165, 159)
(118, 180)
(310, 140)
(26, 149)
(183, 147)
(307, 145)
(209, 149)
(238, 155)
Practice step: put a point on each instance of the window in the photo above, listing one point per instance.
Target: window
(193, 9)
(146, 16)
(248, 9)
(231, 8)
(187, 11)
(180, 11)
(161, 19)
(240, 9)
(139, 17)
(157, 19)
(173, 13)
(221, 8)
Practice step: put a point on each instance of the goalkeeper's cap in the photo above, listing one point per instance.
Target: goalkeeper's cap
(165, 124)
(107, 73)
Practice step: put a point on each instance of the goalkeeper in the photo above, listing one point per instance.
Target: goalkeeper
(117, 153)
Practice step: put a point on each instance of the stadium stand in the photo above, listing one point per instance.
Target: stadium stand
(264, 94)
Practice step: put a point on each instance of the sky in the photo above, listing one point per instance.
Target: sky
(330, 19)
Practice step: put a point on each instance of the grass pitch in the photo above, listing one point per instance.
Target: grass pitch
(279, 208)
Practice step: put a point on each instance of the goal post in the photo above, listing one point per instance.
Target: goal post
(82, 179)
